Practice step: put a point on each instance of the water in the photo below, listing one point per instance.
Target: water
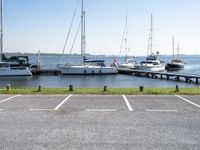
(115, 81)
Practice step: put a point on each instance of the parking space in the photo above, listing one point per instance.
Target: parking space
(193, 99)
(3, 97)
(97, 103)
(31, 102)
(160, 104)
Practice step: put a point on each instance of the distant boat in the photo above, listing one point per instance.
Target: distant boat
(11, 68)
(87, 67)
(152, 62)
(176, 63)
(36, 66)
(129, 62)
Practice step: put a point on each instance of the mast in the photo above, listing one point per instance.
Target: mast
(1, 30)
(151, 35)
(178, 48)
(150, 39)
(172, 48)
(126, 38)
(82, 33)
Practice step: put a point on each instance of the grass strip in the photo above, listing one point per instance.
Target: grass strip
(99, 91)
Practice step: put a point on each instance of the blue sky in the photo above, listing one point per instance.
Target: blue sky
(32, 25)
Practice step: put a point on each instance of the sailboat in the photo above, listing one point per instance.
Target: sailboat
(129, 62)
(176, 63)
(8, 68)
(87, 67)
(152, 62)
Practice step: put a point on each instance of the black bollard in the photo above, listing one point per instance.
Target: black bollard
(71, 88)
(141, 88)
(39, 88)
(105, 88)
(177, 88)
(8, 87)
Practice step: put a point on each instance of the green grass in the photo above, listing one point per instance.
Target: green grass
(110, 91)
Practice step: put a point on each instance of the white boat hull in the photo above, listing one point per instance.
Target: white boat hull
(145, 67)
(130, 66)
(15, 72)
(87, 70)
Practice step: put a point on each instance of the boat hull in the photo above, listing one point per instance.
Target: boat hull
(151, 67)
(173, 66)
(87, 70)
(4, 72)
(129, 66)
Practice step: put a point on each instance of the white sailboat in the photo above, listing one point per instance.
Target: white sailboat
(129, 62)
(7, 68)
(152, 62)
(87, 67)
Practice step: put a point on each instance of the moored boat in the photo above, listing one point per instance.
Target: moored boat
(129, 63)
(176, 63)
(87, 67)
(152, 62)
(9, 67)
(7, 70)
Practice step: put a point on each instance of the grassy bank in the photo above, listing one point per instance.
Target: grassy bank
(127, 91)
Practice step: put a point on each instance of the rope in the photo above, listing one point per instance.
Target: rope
(69, 32)
(75, 38)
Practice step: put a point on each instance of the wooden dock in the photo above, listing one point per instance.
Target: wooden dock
(188, 78)
(48, 72)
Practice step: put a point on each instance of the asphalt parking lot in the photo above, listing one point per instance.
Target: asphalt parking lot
(99, 122)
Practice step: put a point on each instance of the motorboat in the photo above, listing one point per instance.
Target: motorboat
(7, 70)
(10, 67)
(152, 62)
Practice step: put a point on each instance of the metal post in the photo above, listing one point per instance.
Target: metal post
(39, 88)
(105, 88)
(1, 29)
(8, 87)
(141, 88)
(71, 88)
(177, 88)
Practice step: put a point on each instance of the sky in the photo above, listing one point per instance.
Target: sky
(32, 25)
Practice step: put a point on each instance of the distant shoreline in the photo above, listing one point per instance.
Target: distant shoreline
(56, 54)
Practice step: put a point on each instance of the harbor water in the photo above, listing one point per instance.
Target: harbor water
(98, 81)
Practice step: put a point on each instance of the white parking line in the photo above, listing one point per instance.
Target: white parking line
(188, 101)
(127, 103)
(9, 98)
(160, 110)
(101, 110)
(1, 109)
(57, 107)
